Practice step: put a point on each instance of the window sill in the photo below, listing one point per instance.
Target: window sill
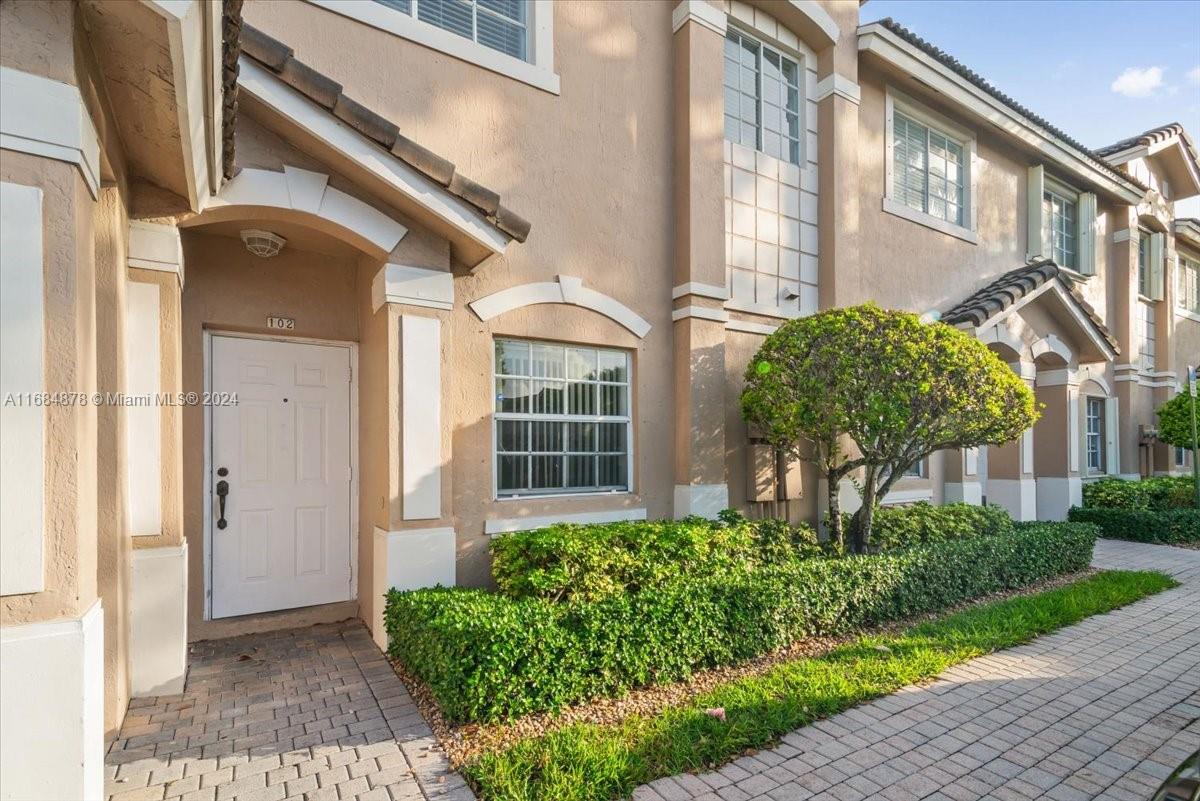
(929, 221)
(406, 27)
(1187, 315)
(537, 496)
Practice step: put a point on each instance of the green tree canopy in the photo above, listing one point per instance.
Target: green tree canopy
(895, 387)
(1175, 421)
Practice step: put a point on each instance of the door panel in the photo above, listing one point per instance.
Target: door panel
(286, 445)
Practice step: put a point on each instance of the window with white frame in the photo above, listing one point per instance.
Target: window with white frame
(1143, 263)
(1060, 211)
(562, 419)
(1147, 326)
(762, 97)
(916, 470)
(1187, 284)
(502, 25)
(1180, 456)
(928, 169)
(1095, 434)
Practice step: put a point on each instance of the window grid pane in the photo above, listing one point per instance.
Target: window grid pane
(762, 98)
(927, 169)
(562, 419)
(501, 25)
(1060, 219)
(1095, 434)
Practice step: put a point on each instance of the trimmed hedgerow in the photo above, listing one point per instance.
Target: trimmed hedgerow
(594, 561)
(1163, 492)
(1141, 525)
(487, 656)
(922, 523)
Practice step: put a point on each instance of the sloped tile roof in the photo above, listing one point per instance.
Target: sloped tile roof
(1151, 137)
(326, 92)
(975, 78)
(1009, 288)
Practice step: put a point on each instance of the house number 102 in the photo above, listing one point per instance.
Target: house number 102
(281, 323)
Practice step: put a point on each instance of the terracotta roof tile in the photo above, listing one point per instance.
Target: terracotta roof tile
(975, 78)
(1153, 136)
(323, 90)
(1011, 287)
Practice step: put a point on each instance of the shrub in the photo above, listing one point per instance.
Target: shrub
(1164, 492)
(594, 561)
(1142, 525)
(922, 523)
(487, 656)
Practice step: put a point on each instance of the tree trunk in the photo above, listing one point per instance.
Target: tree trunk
(864, 517)
(836, 533)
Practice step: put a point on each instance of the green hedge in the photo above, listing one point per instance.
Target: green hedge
(922, 523)
(1141, 525)
(595, 561)
(486, 656)
(1173, 492)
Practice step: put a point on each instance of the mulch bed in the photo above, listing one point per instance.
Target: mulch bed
(464, 742)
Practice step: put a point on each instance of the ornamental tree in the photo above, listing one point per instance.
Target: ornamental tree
(872, 390)
(1175, 421)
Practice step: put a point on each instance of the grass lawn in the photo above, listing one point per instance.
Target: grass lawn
(589, 762)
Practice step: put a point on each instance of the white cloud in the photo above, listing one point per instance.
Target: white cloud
(1138, 81)
(1194, 75)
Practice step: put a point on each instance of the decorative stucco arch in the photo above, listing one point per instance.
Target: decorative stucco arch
(1001, 336)
(567, 290)
(305, 197)
(1051, 345)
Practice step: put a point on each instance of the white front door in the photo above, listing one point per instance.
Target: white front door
(283, 450)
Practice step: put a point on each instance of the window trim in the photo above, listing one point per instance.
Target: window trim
(497, 415)
(538, 71)
(1184, 265)
(1102, 434)
(1068, 193)
(896, 100)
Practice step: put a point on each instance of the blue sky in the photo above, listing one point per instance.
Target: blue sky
(1099, 69)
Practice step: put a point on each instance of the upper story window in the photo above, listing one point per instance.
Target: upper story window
(1143, 263)
(928, 172)
(499, 24)
(762, 97)
(1060, 211)
(1187, 280)
(563, 422)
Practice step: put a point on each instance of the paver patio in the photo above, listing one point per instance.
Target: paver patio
(315, 714)
(1105, 709)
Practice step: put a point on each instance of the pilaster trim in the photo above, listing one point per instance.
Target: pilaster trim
(48, 118)
(155, 246)
(700, 289)
(840, 85)
(1123, 235)
(1057, 378)
(700, 12)
(750, 328)
(412, 286)
(701, 312)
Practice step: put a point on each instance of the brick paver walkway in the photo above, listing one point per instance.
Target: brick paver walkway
(1105, 709)
(314, 714)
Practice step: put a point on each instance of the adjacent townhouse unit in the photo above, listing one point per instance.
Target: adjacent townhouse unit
(304, 300)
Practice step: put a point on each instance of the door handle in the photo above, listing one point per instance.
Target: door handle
(222, 491)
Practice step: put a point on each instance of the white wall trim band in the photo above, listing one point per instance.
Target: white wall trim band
(421, 427)
(907, 496)
(1057, 494)
(700, 12)
(701, 312)
(158, 621)
(143, 421)
(705, 500)
(567, 289)
(154, 246)
(701, 289)
(964, 492)
(840, 85)
(22, 426)
(48, 118)
(1124, 235)
(750, 328)
(309, 193)
(412, 286)
(52, 708)
(507, 525)
(410, 559)
(1017, 496)
(1057, 378)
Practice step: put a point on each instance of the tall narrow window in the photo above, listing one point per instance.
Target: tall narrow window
(1061, 214)
(762, 97)
(562, 419)
(1143, 263)
(502, 25)
(1095, 435)
(927, 169)
(1187, 295)
(1146, 323)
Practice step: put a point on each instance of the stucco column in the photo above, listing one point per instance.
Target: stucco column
(1124, 282)
(1056, 438)
(961, 476)
(1167, 373)
(1011, 481)
(701, 485)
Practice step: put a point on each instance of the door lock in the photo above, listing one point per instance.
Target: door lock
(222, 492)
